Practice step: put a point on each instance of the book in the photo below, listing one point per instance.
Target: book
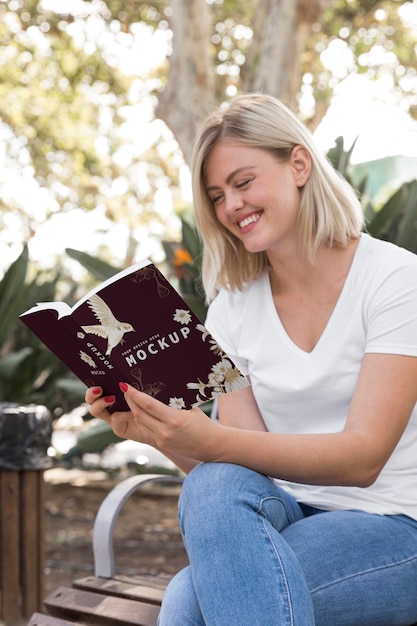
(136, 328)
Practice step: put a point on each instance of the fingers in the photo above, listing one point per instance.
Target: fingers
(92, 394)
(141, 404)
(148, 419)
(99, 406)
(145, 402)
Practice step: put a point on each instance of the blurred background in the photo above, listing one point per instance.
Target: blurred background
(99, 105)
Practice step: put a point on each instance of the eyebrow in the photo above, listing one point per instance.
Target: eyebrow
(232, 175)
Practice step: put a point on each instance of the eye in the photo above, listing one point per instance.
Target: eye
(244, 183)
(216, 198)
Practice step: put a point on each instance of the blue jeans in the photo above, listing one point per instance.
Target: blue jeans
(258, 558)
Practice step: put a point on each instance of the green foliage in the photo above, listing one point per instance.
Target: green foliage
(378, 41)
(50, 97)
(98, 268)
(184, 262)
(340, 159)
(183, 259)
(64, 97)
(394, 221)
(29, 372)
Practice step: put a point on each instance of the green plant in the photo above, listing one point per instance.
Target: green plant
(184, 265)
(29, 372)
(396, 219)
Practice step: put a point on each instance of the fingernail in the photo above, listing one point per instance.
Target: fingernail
(110, 399)
(97, 391)
(123, 387)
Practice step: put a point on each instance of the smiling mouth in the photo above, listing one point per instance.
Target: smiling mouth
(249, 220)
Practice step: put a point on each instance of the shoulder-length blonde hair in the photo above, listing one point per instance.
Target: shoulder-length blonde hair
(330, 213)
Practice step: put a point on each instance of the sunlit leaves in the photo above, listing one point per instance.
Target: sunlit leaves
(375, 38)
(73, 78)
(66, 80)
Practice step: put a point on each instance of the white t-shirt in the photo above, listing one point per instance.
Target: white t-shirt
(302, 392)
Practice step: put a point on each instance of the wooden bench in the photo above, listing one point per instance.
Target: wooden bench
(107, 598)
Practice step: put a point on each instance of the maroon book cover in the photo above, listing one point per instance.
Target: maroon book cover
(135, 327)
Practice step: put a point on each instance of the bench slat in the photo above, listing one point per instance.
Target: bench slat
(95, 608)
(145, 588)
(39, 619)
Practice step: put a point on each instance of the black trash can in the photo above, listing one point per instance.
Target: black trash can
(25, 436)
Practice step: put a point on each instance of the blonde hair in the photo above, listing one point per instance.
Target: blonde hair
(330, 213)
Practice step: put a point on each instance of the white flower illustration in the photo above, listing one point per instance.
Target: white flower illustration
(214, 346)
(177, 403)
(182, 316)
(223, 378)
(87, 359)
(222, 367)
(215, 378)
(234, 380)
(199, 385)
(203, 330)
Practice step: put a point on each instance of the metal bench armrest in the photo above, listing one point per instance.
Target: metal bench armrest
(104, 562)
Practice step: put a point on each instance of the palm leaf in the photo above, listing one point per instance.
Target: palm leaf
(98, 268)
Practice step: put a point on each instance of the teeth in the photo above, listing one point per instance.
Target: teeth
(248, 220)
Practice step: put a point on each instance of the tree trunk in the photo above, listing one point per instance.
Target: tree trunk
(189, 94)
(280, 32)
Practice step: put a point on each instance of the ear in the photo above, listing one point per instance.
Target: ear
(300, 162)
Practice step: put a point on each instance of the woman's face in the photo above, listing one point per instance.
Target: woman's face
(255, 196)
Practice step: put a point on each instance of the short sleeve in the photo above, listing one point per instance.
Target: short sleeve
(392, 309)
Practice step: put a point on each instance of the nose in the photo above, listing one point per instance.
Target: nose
(232, 200)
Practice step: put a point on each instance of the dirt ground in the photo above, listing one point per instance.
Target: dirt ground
(147, 538)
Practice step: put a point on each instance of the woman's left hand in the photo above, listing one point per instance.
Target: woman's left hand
(189, 433)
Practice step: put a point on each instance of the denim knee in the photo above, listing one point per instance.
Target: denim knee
(213, 494)
(220, 484)
(204, 494)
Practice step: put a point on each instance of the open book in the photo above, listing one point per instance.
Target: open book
(135, 327)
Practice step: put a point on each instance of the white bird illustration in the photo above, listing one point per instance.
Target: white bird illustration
(109, 328)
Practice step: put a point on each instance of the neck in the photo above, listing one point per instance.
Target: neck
(292, 272)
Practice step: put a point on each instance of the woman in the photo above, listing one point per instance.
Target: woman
(301, 508)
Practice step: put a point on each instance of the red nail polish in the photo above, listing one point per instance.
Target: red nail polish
(123, 387)
(110, 399)
(97, 391)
